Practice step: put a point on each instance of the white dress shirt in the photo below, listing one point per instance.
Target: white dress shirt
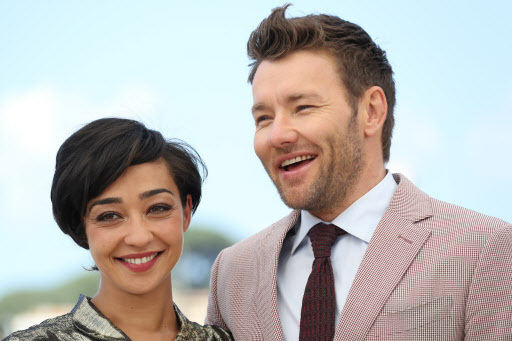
(296, 257)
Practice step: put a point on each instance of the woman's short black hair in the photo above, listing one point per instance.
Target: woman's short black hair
(97, 154)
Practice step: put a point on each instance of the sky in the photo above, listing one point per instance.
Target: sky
(181, 68)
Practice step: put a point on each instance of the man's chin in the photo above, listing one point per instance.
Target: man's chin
(297, 195)
(295, 201)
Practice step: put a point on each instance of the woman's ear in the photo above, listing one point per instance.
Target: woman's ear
(376, 107)
(187, 213)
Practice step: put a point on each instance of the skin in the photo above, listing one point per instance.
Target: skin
(301, 108)
(128, 218)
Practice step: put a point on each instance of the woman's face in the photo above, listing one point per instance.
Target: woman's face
(135, 229)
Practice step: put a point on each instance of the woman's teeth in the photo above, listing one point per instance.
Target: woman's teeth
(140, 260)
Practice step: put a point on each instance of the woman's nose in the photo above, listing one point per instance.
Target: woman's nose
(139, 233)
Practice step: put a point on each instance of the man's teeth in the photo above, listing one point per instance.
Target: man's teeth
(295, 160)
(139, 260)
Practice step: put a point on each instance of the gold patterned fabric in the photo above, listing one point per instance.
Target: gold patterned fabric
(85, 322)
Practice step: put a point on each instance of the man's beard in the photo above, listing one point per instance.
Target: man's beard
(337, 176)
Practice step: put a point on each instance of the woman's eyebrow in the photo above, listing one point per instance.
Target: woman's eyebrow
(143, 195)
(106, 201)
(147, 194)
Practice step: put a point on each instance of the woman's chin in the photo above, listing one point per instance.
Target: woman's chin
(136, 283)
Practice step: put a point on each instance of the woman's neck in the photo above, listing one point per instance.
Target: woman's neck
(141, 317)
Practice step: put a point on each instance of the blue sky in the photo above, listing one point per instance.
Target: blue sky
(181, 68)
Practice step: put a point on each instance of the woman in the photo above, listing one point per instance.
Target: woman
(126, 194)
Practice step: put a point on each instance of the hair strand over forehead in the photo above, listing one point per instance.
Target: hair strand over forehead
(97, 154)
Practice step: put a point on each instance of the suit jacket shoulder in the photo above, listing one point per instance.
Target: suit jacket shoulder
(453, 216)
(247, 247)
(445, 273)
(432, 271)
(243, 284)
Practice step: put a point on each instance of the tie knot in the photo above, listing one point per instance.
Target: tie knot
(322, 237)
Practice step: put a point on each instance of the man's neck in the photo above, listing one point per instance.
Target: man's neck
(366, 181)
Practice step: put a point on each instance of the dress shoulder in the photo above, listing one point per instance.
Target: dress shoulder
(59, 328)
(192, 331)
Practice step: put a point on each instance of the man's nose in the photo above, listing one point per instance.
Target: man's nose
(282, 132)
(138, 233)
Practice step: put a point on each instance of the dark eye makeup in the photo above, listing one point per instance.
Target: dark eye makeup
(108, 216)
(160, 208)
(155, 210)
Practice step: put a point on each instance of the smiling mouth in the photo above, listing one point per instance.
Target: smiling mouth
(141, 260)
(295, 162)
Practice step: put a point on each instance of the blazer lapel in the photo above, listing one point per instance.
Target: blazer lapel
(391, 251)
(266, 294)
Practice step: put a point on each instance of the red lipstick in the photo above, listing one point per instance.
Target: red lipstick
(139, 262)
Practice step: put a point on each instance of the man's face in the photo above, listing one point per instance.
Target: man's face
(307, 137)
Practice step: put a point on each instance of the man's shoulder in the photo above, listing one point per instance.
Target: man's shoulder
(57, 328)
(271, 234)
(473, 221)
(438, 214)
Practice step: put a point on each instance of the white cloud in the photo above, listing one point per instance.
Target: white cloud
(33, 124)
(419, 130)
(31, 120)
(28, 119)
(135, 100)
(403, 167)
(416, 139)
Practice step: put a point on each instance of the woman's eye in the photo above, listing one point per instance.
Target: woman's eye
(108, 216)
(160, 208)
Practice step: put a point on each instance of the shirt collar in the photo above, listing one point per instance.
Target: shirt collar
(360, 219)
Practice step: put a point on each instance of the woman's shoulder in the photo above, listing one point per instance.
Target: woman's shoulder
(57, 328)
(82, 323)
(194, 331)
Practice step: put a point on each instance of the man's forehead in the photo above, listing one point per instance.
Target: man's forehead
(295, 71)
(291, 98)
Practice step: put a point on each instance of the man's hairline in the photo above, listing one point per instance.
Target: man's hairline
(351, 99)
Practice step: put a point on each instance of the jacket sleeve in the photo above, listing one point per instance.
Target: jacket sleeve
(213, 314)
(489, 302)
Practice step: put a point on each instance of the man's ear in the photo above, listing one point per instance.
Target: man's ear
(376, 109)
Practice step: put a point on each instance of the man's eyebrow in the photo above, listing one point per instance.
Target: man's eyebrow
(257, 107)
(152, 192)
(105, 201)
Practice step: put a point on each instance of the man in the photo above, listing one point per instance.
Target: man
(405, 266)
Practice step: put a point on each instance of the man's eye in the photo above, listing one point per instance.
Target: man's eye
(108, 217)
(261, 119)
(160, 208)
(303, 107)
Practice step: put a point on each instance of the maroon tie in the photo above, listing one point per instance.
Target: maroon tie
(319, 301)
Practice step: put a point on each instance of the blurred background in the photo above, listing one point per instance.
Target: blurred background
(181, 68)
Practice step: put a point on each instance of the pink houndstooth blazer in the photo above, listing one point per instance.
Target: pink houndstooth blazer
(432, 271)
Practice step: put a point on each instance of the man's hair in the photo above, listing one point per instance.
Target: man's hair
(361, 62)
(97, 154)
